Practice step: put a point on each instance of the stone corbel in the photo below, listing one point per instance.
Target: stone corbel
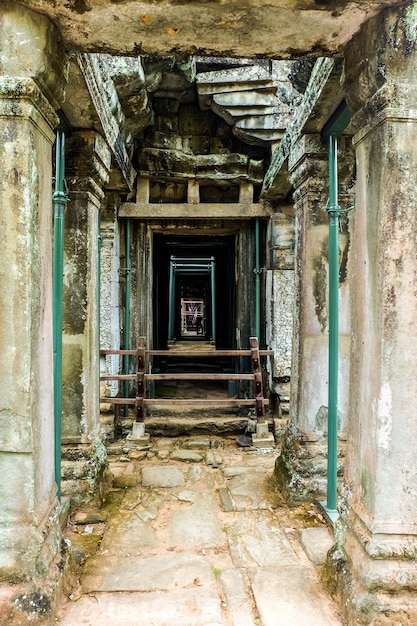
(88, 163)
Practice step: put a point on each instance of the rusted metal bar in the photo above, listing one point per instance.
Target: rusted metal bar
(190, 401)
(140, 380)
(119, 377)
(205, 401)
(200, 376)
(188, 353)
(257, 380)
(131, 352)
(112, 400)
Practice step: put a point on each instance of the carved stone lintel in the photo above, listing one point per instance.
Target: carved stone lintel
(103, 94)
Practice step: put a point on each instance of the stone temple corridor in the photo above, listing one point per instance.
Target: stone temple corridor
(214, 199)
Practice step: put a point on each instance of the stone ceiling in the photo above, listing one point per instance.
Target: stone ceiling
(248, 28)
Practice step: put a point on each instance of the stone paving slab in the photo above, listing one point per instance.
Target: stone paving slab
(249, 490)
(197, 525)
(255, 541)
(162, 476)
(161, 572)
(130, 535)
(316, 543)
(189, 607)
(291, 596)
(237, 598)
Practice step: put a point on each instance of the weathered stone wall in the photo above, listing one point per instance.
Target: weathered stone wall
(375, 562)
(87, 169)
(302, 468)
(30, 87)
(279, 292)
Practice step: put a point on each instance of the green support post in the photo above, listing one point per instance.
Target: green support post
(127, 313)
(333, 211)
(59, 200)
(171, 304)
(331, 131)
(213, 299)
(257, 272)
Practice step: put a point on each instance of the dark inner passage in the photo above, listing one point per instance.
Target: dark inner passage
(193, 289)
(194, 307)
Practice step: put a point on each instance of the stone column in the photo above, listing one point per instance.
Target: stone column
(112, 274)
(376, 566)
(301, 470)
(88, 164)
(279, 309)
(31, 85)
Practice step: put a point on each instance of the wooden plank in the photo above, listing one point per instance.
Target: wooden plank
(119, 377)
(188, 353)
(199, 376)
(131, 352)
(110, 400)
(201, 402)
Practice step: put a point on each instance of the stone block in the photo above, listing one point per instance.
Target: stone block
(264, 441)
(166, 476)
(262, 429)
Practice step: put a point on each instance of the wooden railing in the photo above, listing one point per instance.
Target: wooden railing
(141, 401)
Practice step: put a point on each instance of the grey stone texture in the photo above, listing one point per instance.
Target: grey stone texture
(165, 476)
(316, 541)
(178, 557)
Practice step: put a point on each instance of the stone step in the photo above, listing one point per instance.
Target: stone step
(74, 470)
(259, 137)
(248, 74)
(252, 99)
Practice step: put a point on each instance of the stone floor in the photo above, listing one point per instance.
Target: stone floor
(193, 534)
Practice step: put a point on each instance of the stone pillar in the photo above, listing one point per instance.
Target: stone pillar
(279, 311)
(376, 567)
(111, 306)
(31, 84)
(88, 164)
(301, 470)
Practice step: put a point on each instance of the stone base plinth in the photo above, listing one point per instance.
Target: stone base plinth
(263, 441)
(373, 590)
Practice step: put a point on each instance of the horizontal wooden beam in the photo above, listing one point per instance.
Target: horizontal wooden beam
(185, 401)
(189, 353)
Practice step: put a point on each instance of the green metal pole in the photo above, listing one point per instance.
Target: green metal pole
(59, 201)
(127, 313)
(171, 304)
(213, 300)
(257, 284)
(333, 210)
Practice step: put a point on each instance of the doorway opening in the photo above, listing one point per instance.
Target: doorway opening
(192, 299)
(194, 309)
(194, 290)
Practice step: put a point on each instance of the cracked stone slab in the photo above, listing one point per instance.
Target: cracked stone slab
(162, 476)
(290, 596)
(152, 573)
(197, 525)
(237, 598)
(255, 541)
(188, 607)
(249, 490)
